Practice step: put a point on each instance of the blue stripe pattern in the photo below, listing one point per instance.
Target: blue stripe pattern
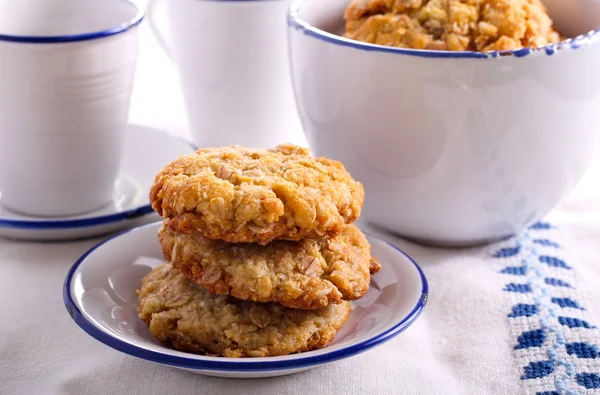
(557, 282)
(540, 226)
(531, 339)
(554, 262)
(574, 323)
(507, 252)
(588, 380)
(523, 310)
(521, 288)
(582, 350)
(549, 316)
(538, 369)
(566, 302)
(546, 243)
(516, 270)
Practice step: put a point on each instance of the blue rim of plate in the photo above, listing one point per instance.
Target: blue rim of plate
(136, 20)
(228, 366)
(295, 21)
(134, 213)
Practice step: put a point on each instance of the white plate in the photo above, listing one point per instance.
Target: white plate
(99, 293)
(145, 152)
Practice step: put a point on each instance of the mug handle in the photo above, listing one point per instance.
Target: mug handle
(152, 12)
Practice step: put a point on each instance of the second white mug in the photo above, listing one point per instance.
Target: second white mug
(233, 63)
(66, 74)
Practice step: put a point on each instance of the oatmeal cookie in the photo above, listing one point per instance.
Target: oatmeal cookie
(306, 274)
(187, 318)
(454, 25)
(240, 195)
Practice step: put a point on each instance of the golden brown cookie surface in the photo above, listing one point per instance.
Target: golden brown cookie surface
(238, 194)
(306, 274)
(454, 25)
(187, 318)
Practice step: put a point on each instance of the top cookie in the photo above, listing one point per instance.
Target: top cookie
(238, 194)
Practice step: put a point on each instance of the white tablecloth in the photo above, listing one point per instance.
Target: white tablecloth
(477, 334)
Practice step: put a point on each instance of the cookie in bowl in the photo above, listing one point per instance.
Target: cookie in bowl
(451, 25)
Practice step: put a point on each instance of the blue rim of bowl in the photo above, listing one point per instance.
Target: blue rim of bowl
(228, 366)
(136, 20)
(294, 21)
(131, 214)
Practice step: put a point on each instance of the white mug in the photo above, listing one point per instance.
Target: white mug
(233, 63)
(66, 73)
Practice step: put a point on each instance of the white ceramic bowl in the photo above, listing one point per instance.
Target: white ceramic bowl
(99, 294)
(453, 147)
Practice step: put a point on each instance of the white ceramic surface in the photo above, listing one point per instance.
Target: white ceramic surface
(452, 147)
(99, 294)
(574, 16)
(146, 151)
(65, 83)
(233, 65)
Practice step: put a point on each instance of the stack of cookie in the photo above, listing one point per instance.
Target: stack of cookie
(262, 256)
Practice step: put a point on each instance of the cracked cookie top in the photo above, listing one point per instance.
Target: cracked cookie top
(238, 194)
